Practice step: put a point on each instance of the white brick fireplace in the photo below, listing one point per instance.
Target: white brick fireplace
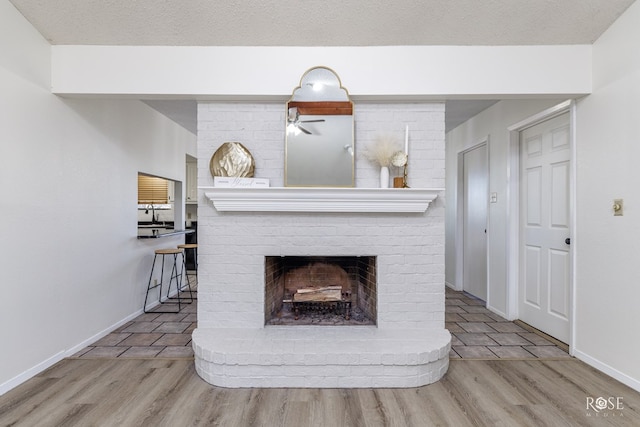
(237, 229)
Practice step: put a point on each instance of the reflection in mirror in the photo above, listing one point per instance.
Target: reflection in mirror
(319, 147)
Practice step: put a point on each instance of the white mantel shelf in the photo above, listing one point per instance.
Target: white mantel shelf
(294, 199)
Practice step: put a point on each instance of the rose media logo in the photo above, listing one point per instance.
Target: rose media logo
(604, 406)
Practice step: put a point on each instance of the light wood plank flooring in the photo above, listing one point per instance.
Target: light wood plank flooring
(168, 392)
(132, 381)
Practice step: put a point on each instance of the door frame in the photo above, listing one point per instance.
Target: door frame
(513, 213)
(459, 238)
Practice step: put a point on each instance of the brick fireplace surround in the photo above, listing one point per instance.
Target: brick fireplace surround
(409, 346)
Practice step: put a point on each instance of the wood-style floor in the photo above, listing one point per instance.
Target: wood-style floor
(168, 392)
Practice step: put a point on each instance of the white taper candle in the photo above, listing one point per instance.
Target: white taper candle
(406, 140)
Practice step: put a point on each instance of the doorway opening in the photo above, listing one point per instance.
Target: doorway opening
(540, 291)
(473, 202)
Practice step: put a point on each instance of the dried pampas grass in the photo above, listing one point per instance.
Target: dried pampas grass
(381, 151)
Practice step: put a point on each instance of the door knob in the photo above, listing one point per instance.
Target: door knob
(567, 241)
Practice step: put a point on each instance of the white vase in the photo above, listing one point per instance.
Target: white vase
(384, 177)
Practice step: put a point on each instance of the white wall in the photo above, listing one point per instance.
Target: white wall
(489, 125)
(72, 267)
(608, 150)
(606, 247)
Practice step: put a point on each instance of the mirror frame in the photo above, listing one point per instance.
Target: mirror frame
(327, 105)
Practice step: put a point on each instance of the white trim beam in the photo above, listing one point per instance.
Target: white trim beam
(369, 73)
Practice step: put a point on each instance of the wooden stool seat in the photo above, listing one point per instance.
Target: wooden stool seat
(188, 246)
(168, 251)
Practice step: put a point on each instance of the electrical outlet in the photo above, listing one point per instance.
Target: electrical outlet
(155, 281)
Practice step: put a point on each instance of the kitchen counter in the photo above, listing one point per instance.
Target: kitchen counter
(157, 232)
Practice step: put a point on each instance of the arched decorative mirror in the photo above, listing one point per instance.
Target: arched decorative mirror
(319, 146)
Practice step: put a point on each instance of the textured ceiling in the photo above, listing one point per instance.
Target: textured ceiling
(321, 22)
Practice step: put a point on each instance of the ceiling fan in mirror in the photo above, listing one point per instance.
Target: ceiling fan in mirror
(293, 120)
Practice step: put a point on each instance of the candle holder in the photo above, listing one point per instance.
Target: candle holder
(401, 160)
(404, 176)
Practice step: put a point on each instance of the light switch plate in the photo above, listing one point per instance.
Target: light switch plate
(618, 207)
(494, 198)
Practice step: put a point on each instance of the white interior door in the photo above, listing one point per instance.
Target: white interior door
(476, 198)
(544, 285)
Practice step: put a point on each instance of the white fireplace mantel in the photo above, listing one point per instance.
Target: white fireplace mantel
(295, 199)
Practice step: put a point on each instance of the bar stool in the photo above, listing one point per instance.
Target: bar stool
(193, 247)
(175, 276)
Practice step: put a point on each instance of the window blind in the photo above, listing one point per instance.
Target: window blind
(152, 190)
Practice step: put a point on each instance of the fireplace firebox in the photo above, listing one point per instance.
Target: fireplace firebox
(320, 290)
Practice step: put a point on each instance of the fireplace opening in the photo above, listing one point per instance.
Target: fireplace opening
(320, 290)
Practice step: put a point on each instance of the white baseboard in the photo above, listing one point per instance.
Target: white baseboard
(498, 312)
(76, 348)
(612, 372)
(30, 373)
(40, 367)
(452, 286)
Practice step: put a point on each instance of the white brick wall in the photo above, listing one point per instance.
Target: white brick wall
(408, 348)
(409, 247)
(426, 140)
